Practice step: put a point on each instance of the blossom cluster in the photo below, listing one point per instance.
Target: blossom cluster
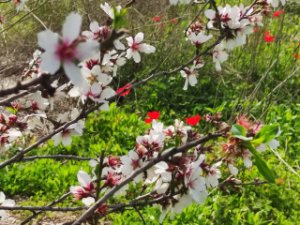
(232, 23)
(89, 68)
(80, 67)
(185, 177)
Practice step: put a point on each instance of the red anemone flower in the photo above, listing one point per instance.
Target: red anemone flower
(278, 13)
(268, 37)
(193, 120)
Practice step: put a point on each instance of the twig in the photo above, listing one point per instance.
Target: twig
(7, 101)
(35, 214)
(140, 215)
(19, 86)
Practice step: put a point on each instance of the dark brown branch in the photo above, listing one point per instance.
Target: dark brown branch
(35, 214)
(24, 86)
(7, 101)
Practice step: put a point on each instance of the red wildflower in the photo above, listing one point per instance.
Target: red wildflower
(156, 19)
(148, 120)
(278, 13)
(125, 90)
(193, 120)
(268, 37)
(154, 115)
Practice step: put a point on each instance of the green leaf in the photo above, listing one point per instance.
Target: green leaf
(11, 110)
(261, 165)
(119, 20)
(266, 134)
(239, 132)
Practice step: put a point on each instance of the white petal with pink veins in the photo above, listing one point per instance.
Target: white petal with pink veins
(71, 27)
(83, 178)
(67, 140)
(139, 37)
(193, 80)
(87, 49)
(197, 196)
(48, 40)
(136, 56)
(186, 84)
(210, 14)
(119, 45)
(50, 63)
(104, 79)
(107, 93)
(57, 139)
(74, 74)
(96, 89)
(121, 61)
(88, 201)
(247, 162)
(146, 48)
(94, 26)
(108, 10)
(129, 41)
(233, 170)
(129, 53)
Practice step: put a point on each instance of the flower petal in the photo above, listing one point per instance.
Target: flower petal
(74, 74)
(83, 178)
(71, 27)
(48, 40)
(87, 49)
(139, 37)
(50, 63)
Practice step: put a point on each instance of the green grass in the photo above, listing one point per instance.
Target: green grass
(244, 86)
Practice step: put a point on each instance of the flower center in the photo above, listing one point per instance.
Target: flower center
(135, 46)
(66, 51)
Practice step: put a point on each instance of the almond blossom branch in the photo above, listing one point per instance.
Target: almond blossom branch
(163, 156)
(18, 157)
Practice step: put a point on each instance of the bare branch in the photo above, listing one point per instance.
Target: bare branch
(35, 214)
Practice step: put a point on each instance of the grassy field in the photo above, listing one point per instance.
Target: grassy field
(260, 79)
